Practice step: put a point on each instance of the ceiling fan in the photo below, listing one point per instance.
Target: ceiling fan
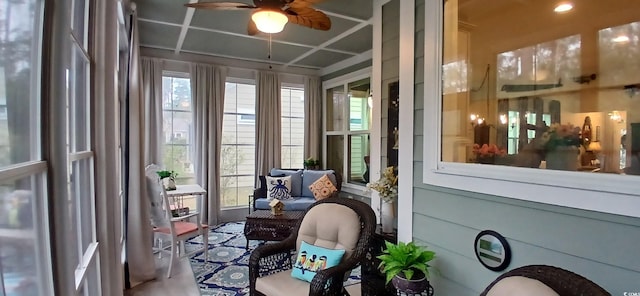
(270, 16)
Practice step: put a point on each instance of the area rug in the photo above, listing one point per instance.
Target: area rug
(226, 272)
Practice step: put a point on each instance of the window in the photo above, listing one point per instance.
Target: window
(83, 243)
(292, 127)
(237, 165)
(347, 128)
(25, 259)
(560, 100)
(177, 118)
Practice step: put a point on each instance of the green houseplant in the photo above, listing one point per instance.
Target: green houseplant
(311, 163)
(407, 265)
(170, 176)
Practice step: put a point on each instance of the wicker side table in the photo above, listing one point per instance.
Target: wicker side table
(262, 225)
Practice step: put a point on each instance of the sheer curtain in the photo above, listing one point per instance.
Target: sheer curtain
(142, 126)
(313, 117)
(207, 91)
(268, 122)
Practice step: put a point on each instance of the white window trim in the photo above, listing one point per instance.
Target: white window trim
(608, 193)
(374, 141)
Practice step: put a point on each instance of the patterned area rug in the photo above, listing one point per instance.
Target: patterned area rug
(226, 272)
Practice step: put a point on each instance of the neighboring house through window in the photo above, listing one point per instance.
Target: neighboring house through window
(292, 126)
(237, 163)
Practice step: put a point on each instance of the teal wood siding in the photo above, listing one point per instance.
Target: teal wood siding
(601, 247)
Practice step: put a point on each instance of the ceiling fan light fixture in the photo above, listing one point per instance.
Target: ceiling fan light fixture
(269, 21)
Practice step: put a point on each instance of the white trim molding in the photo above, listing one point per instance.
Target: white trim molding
(405, 137)
(607, 193)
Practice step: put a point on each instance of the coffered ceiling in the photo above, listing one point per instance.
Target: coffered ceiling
(169, 25)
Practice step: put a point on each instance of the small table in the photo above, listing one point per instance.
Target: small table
(262, 225)
(176, 196)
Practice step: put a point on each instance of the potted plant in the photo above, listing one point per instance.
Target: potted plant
(311, 163)
(168, 179)
(406, 265)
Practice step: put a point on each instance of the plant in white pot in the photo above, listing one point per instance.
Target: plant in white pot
(170, 176)
(406, 265)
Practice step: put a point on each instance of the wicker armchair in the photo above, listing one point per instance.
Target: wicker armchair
(562, 282)
(328, 223)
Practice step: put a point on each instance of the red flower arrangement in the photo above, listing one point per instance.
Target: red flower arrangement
(487, 151)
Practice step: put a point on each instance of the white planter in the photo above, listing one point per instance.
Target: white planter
(386, 217)
(169, 183)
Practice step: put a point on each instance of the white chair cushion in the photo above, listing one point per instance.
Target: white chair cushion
(281, 283)
(520, 286)
(330, 226)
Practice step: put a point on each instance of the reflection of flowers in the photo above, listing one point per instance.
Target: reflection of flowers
(560, 135)
(387, 186)
(488, 150)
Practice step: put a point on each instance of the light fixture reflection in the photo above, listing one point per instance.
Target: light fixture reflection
(269, 21)
(563, 7)
(621, 39)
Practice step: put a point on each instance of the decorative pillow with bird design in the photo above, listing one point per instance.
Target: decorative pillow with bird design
(312, 259)
(278, 188)
(323, 188)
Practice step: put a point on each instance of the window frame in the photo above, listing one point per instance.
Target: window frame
(237, 175)
(189, 146)
(345, 131)
(608, 193)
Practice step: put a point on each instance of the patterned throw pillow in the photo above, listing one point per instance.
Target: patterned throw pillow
(278, 188)
(312, 258)
(322, 188)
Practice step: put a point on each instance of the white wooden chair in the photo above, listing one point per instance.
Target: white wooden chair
(173, 226)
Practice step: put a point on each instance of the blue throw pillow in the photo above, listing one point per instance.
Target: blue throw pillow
(296, 180)
(310, 176)
(312, 258)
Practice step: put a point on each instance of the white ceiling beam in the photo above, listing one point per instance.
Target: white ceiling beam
(244, 36)
(342, 16)
(342, 35)
(228, 57)
(185, 27)
(365, 56)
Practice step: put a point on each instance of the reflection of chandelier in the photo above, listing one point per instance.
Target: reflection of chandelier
(615, 116)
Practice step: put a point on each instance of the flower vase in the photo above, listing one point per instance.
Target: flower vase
(563, 158)
(386, 217)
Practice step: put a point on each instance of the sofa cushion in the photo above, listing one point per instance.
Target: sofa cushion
(522, 286)
(310, 176)
(322, 188)
(296, 179)
(278, 188)
(293, 204)
(312, 258)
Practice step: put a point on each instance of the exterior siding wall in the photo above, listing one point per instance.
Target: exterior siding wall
(601, 247)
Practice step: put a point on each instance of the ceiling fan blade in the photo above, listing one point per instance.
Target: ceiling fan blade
(252, 29)
(304, 2)
(220, 5)
(306, 16)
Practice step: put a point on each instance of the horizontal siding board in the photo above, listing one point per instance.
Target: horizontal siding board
(391, 49)
(464, 273)
(459, 241)
(586, 246)
(569, 234)
(390, 69)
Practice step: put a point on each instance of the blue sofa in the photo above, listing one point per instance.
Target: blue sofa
(302, 197)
